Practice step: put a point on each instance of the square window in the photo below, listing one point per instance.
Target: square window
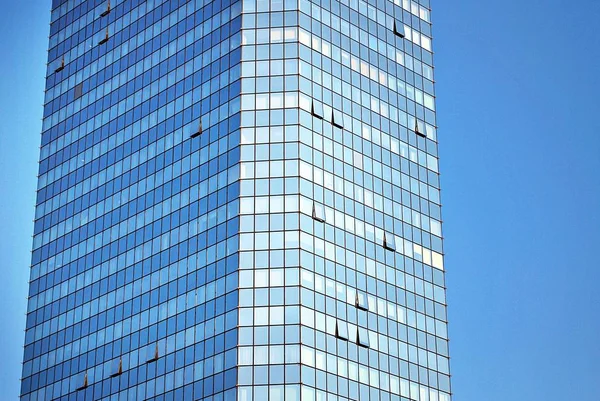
(327, 112)
(78, 91)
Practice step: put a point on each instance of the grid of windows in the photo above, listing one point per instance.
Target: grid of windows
(341, 270)
(238, 200)
(134, 288)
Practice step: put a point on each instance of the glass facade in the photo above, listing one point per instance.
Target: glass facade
(238, 200)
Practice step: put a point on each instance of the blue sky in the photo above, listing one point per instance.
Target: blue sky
(24, 31)
(517, 87)
(518, 93)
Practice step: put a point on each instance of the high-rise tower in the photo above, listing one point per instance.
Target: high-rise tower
(238, 200)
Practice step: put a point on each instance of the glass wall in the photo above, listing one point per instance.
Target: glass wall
(341, 270)
(238, 200)
(134, 281)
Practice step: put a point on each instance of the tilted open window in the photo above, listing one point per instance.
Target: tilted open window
(337, 119)
(341, 330)
(389, 242)
(105, 39)
(197, 133)
(317, 109)
(318, 212)
(107, 11)
(363, 337)
(418, 130)
(82, 381)
(116, 368)
(61, 66)
(399, 29)
(152, 353)
(361, 301)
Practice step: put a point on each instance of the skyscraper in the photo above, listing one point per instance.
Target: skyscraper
(238, 200)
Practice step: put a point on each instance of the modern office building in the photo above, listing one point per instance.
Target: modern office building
(238, 200)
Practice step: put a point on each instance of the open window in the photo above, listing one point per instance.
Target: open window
(107, 11)
(318, 212)
(361, 300)
(116, 368)
(389, 242)
(317, 109)
(337, 119)
(82, 381)
(341, 330)
(399, 29)
(61, 66)
(198, 132)
(363, 337)
(152, 354)
(105, 39)
(418, 130)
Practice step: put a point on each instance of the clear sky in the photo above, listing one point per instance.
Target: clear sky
(518, 96)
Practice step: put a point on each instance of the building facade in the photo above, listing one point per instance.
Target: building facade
(238, 200)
